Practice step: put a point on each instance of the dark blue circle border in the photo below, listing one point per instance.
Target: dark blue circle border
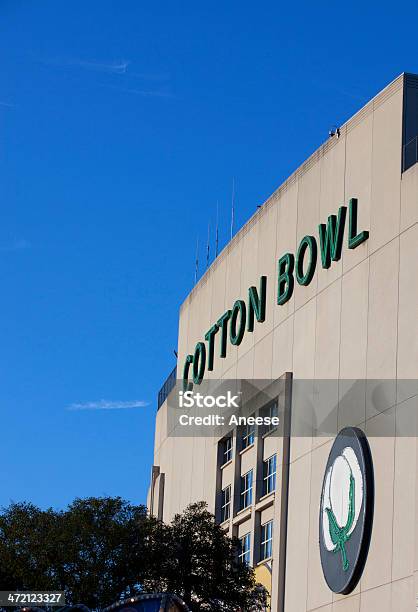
(339, 581)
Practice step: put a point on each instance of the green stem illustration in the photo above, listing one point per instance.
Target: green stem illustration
(344, 556)
(340, 535)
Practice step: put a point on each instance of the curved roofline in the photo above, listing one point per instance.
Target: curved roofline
(326, 146)
(165, 599)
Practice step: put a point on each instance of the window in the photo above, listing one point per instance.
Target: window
(266, 544)
(246, 489)
(227, 450)
(269, 475)
(245, 549)
(226, 504)
(247, 436)
(272, 410)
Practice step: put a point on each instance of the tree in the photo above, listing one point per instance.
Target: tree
(100, 550)
(199, 562)
(104, 543)
(95, 551)
(27, 547)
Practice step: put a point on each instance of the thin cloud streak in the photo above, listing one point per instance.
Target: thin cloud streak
(146, 93)
(112, 67)
(108, 405)
(119, 67)
(7, 104)
(116, 67)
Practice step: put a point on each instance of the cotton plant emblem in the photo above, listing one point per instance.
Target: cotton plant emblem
(346, 512)
(342, 503)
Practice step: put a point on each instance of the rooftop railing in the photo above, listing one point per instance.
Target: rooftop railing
(167, 387)
(410, 154)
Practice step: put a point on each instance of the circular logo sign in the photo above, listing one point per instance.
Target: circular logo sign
(346, 515)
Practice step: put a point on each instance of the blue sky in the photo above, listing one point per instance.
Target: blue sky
(121, 125)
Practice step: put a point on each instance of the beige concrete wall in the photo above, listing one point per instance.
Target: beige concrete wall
(356, 320)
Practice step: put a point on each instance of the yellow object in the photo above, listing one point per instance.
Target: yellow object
(263, 575)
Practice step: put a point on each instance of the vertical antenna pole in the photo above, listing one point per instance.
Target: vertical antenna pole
(208, 248)
(232, 207)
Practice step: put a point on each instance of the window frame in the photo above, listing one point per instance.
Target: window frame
(246, 492)
(247, 436)
(271, 410)
(268, 476)
(225, 505)
(244, 555)
(266, 540)
(227, 450)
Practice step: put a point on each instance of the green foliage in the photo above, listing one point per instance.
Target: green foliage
(94, 551)
(26, 547)
(199, 563)
(100, 550)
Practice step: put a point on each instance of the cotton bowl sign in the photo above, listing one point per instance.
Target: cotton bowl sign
(346, 514)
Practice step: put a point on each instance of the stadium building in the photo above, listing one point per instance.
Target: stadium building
(316, 298)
